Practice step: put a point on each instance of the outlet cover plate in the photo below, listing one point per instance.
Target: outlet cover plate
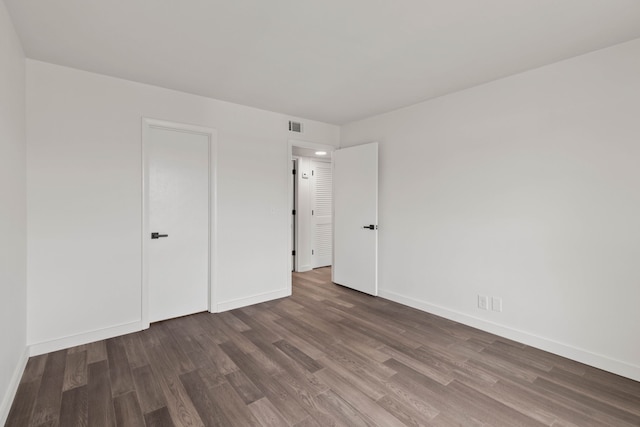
(496, 304)
(483, 302)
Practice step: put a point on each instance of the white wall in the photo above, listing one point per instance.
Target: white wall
(84, 203)
(13, 282)
(528, 189)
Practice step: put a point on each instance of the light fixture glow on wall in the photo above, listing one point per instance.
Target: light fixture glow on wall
(321, 153)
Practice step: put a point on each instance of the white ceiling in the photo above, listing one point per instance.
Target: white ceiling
(330, 60)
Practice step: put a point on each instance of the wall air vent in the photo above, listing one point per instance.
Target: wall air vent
(295, 127)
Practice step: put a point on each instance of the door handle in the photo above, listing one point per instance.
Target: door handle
(155, 235)
(371, 227)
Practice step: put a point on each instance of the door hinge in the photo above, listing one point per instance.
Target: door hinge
(311, 211)
(293, 212)
(293, 171)
(293, 253)
(312, 172)
(311, 251)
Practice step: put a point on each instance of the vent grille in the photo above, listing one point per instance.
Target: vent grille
(295, 127)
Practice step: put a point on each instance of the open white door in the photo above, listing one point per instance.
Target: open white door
(355, 218)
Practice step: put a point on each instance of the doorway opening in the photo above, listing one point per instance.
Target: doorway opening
(311, 189)
(354, 207)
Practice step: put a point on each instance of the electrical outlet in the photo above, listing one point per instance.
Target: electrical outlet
(496, 304)
(483, 302)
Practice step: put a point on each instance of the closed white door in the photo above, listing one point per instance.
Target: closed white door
(321, 214)
(177, 195)
(355, 219)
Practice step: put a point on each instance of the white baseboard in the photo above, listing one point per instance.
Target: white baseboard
(304, 268)
(578, 354)
(10, 393)
(254, 299)
(84, 338)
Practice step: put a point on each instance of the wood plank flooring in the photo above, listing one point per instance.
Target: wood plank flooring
(325, 356)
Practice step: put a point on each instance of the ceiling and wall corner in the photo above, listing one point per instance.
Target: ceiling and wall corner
(334, 61)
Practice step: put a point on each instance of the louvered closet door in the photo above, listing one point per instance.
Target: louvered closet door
(321, 218)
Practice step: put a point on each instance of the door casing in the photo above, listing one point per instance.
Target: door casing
(212, 135)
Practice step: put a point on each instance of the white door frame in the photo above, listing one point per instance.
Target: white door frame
(212, 135)
(302, 144)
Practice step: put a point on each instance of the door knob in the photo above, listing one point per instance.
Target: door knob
(155, 235)
(371, 227)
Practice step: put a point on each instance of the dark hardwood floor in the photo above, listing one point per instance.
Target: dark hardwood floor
(325, 356)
